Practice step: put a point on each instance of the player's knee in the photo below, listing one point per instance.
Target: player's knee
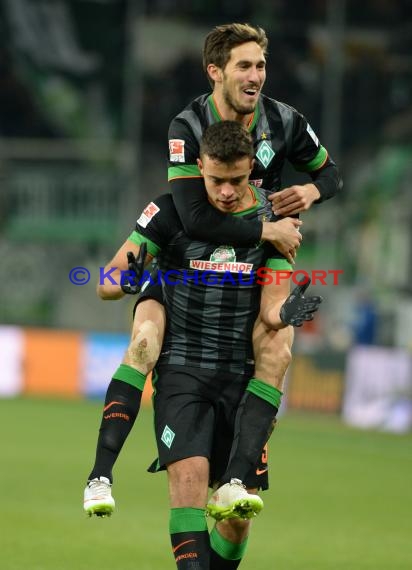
(188, 479)
(144, 348)
(188, 482)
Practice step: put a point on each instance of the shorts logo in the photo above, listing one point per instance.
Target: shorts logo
(168, 436)
(177, 150)
(265, 153)
(148, 213)
(263, 467)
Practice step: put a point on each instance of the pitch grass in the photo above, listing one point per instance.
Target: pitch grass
(340, 499)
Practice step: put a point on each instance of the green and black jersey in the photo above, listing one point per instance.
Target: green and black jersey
(211, 291)
(279, 134)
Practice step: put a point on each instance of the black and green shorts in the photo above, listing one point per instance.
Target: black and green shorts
(194, 413)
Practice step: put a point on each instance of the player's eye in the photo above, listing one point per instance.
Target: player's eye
(237, 181)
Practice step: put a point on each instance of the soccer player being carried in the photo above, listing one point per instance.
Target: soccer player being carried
(205, 378)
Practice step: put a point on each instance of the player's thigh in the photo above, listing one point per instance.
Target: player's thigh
(184, 415)
(272, 351)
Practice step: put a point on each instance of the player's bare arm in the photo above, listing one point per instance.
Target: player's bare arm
(106, 289)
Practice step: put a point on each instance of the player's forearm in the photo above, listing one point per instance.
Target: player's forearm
(108, 288)
(203, 222)
(328, 181)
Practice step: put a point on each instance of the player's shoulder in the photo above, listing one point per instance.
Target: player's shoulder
(185, 130)
(162, 204)
(164, 201)
(196, 107)
(279, 108)
(158, 212)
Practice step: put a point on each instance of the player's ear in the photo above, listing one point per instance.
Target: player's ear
(252, 164)
(214, 72)
(200, 165)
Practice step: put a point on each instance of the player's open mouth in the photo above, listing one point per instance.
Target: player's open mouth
(251, 92)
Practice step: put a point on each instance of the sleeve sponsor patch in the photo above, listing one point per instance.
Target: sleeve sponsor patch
(312, 135)
(148, 213)
(177, 150)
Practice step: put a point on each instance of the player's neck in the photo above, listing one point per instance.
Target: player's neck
(247, 201)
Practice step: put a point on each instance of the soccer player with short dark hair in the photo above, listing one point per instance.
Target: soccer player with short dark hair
(212, 299)
(234, 59)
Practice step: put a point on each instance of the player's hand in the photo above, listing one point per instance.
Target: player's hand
(130, 279)
(297, 309)
(284, 235)
(294, 199)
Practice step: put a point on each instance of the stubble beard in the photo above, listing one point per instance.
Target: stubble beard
(237, 108)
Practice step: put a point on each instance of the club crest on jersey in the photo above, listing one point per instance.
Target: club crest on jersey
(177, 150)
(223, 253)
(222, 260)
(148, 213)
(265, 153)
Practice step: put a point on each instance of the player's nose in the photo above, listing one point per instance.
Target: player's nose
(227, 190)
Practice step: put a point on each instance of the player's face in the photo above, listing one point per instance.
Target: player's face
(227, 184)
(243, 78)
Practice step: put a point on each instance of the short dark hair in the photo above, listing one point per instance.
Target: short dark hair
(222, 39)
(226, 141)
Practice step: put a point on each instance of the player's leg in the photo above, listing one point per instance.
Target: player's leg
(231, 500)
(188, 487)
(122, 402)
(257, 411)
(184, 419)
(228, 538)
(228, 543)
